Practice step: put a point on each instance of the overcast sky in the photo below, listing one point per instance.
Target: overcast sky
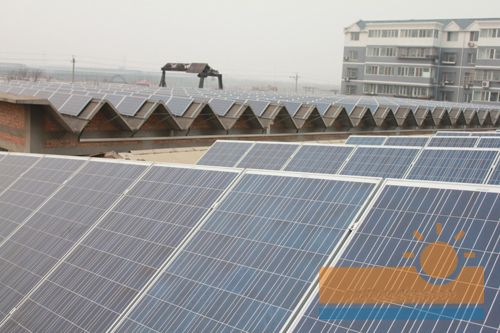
(257, 38)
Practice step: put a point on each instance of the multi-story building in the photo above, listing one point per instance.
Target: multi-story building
(454, 60)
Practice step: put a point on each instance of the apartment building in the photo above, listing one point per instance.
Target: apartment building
(456, 60)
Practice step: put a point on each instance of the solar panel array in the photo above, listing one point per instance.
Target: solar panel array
(92, 245)
(72, 99)
(366, 140)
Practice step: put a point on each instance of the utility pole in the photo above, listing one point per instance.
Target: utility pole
(73, 61)
(296, 77)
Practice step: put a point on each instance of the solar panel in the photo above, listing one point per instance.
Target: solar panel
(75, 104)
(36, 246)
(490, 134)
(292, 107)
(258, 106)
(366, 140)
(114, 99)
(387, 162)
(102, 275)
(225, 153)
(130, 105)
(248, 265)
(412, 141)
(488, 142)
(319, 158)
(453, 165)
(179, 105)
(441, 133)
(14, 165)
(269, 156)
(454, 141)
(31, 189)
(402, 227)
(221, 106)
(58, 99)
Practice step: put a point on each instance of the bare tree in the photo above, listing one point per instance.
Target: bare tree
(25, 74)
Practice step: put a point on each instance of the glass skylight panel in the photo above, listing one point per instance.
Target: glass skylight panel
(455, 141)
(224, 153)
(319, 158)
(103, 275)
(251, 261)
(268, 156)
(366, 140)
(453, 165)
(403, 226)
(387, 162)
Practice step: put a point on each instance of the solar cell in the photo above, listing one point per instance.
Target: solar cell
(14, 165)
(179, 105)
(221, 106)
(412, 141)
(37, 245)
(130, 105)
(406, 220)
(488, 142)
(292, 107)
(225, 153)
(269, 156)
(75, 104)
(366, 140)
(490, 134)
(453, 165)
(319, 158)
(454, 141)
(102, 275)
(114, 99)
(250, 262)
(387, 162)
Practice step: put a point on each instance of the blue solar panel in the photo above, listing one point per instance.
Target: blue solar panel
(387, 162)
(103, 274)
(258, 106)
(407, 141)
(221, 106)
(130, 105)
(269, 156)
(453, 165)
(455, 141)
(75, 105)
(225, 153)
(366, 140)
(487, 142)
(248, 266)
(14, 165)
(404, 222)
(319, 158)
(37, 245)
(179, 105)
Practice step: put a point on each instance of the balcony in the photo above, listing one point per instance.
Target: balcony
(430, 53)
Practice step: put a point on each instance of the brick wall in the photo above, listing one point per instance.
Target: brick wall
(69, 143)
(100, 123)
(12, 115)
(50, 125)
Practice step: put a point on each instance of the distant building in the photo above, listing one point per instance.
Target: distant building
(455, 60)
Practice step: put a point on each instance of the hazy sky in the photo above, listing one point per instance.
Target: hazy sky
(256, 38)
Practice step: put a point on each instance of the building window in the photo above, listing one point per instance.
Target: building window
(425, 33)
(436, 33)
(471, 58)
(369, 88)
(468, 78)
(446, 96)
(350, 90)
(488, 54)
(352, 73)
(354, 35)
(487, 75)
(485, 96)
(488, 33)
(381, 51)
(474, 36)
(467, 98)
(448, 77)
(449, 57)
(419, 92)
(385, 89)
(383, 33)
(372, 70)
(353, 55)
(452, 36)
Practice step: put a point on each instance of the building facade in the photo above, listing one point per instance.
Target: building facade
(456, 60)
